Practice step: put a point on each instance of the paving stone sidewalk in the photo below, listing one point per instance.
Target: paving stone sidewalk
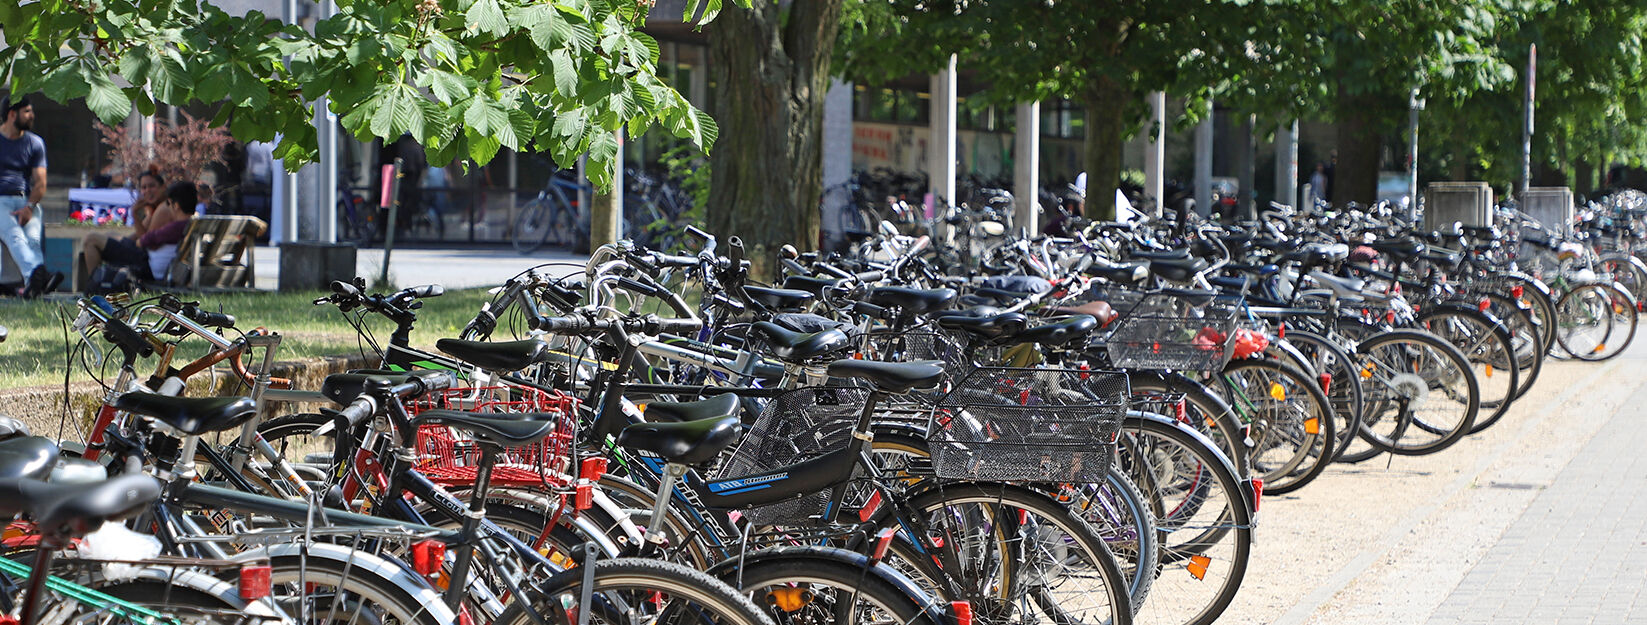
(1578, 554)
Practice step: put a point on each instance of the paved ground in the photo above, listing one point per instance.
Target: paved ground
(1542, 518)
(452, 268)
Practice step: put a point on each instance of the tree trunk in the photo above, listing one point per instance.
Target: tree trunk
(1584, 178)
(771, 74)
(1106, 104)
(1360, 141)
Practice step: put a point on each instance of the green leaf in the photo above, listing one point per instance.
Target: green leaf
(482, 148)
(566, 73)
(105, 100)
(570, 124)
(168, 80)
(486, 16)
(447, 87)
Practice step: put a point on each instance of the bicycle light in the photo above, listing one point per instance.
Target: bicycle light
(962, 611)
(428, 556)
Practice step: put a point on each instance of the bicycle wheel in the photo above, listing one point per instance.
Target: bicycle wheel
(1342, 386)
(1115, 508)
(804, 590)
(1023, 556)
(1491, 352)
(329, 591)
(1627, 271)
(1526, 337)
(1411, 377)
(1289, 420)
(1204, 410)
(1203, 518)
(1595, 322)
(634, 590)
(532, 226)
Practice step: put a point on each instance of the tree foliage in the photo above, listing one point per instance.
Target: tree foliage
(464, 77)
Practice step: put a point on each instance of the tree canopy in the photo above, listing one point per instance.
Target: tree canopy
(464, 77)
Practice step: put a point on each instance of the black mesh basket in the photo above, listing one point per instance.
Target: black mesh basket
(1165, 331)
(1028, 425)
(795, 426)
(924, 344)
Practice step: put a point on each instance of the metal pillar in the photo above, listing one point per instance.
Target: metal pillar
(1286, 163)
(1203, 163)
(1155, 151)
(1527, 129)
(837, 157)
(1414, 105)
(941, 147)
(1026, 167)
(1248, 174)
(283, 199)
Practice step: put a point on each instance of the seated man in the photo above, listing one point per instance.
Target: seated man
(149, 254)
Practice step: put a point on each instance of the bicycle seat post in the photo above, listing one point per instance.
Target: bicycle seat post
(672, 472)
(471, 524)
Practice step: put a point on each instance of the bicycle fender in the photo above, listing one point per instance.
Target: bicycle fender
(727, 571)
(219, 589)
(399, 574)
(1464, 310)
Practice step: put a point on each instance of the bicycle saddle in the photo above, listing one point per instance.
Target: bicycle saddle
(688, 442)
(1125, 273)
(717, 407)
(504, 429)
(798, 346)
(505, 356)
(30, 457)
(62, 511)
(891, 377)
(987, 326)
(1099, 310)
(1405, 247)
(190, 415)
(911, 302)
(1177, 270)
(779, 299)
(815, 286)
(1347, 287)
(1153, 255)
(808, 322)
(1057, 333)
(343, 388)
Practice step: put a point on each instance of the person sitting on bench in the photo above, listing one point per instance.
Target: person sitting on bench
(149, 253)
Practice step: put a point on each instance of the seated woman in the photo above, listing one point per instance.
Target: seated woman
(149, 252)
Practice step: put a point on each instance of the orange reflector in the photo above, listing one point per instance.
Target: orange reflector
(788, 599)
(1367, 372)
(1600, 347)
(1198, 566)
(254, 581)
(1210, 424)
(1277, 393)
(1312, 425)
(641, 408)
(1489, 367)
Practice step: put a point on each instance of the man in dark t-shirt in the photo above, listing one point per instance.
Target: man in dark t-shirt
(22, 184)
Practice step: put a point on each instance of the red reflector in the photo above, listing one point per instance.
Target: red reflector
(592, 469)
(585, 498)
(1257, 493)
(464, 618)
(962, 611)
(883, 540)
(869, 508)
(1281, 331)
(428, 556)
(1517, 291)
(1023, 398)
(254, 581)
(1178, 410)
(1326, 383)
(1485, 304)
(1389, 317)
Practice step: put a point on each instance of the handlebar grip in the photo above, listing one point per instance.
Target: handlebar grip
(343, 288)
(920, 246)
(427, 290)
(869, 310)
(834, 271)
(655, 325)
(871, 276)
(636, 286)
(358, 411)
(214, 320)
(432, 381)
(671, 260)
(561, 325)
(700, 234)
(128, 339)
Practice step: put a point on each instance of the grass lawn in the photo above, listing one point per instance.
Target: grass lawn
(34, 353)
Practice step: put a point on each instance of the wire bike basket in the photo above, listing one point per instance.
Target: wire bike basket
(450, 457)
(793, 427)
(1028, 425)
(1169, 331)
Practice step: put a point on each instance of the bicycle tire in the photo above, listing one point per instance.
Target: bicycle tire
(1211, 415)
(1486, 341)
(1009, 591)
(532, 225)
(1203, 516)
(310, 575)
(1526, 335)
(1303, 433)
(1610, 302)
(820, 576)
(649, 578)
(1343, 387)
(1378, 390)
